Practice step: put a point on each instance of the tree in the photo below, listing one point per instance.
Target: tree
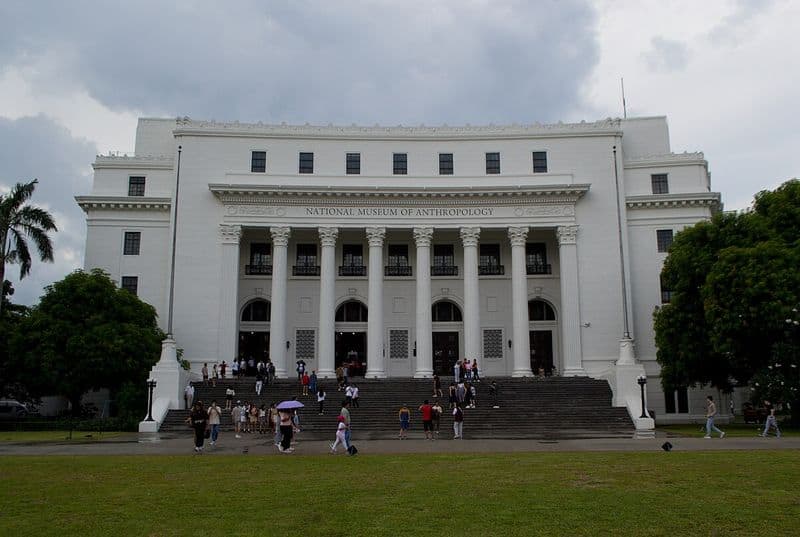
(10, 317)
(19, 221)
(734, 282)
(85, 334)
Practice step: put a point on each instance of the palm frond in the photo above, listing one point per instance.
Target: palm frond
(21, 253)
(36, 216)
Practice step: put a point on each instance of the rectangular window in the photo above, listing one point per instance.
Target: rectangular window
(353, 163)
(540, 162)
(666, 292)
(352, 255)
(400, 164)
(133, 240)
(444, 261)
(445, 164)
(536, 258)
(136, 186)
(130, 283)
(306, 255)
(258, 162)
(398, 261)
(306, 163)
(260, 259)
(492, 163)
(660, 183)
(664, 239)
(489, 260)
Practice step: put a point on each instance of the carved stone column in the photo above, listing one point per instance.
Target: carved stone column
(521, 344)
(422, 236)
(327, 301)
(376, 358)
(228, 291)
(277, 312)
(570, 301)
(472, 319)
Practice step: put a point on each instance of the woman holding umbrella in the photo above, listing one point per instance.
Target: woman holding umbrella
(285, 413)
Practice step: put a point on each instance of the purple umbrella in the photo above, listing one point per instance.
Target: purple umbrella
(289, 405)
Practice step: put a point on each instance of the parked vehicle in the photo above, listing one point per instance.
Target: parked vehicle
(12, 410)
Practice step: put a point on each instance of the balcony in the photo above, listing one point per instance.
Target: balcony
(352, 270)
(260, 270)
(539, 269)
(491, 270)
(305, 270)
(397, 270)
(444, 270)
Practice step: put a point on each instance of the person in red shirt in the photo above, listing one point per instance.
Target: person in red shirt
(427, 419)
(305, 380)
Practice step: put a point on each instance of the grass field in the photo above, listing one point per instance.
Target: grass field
(55, 436)
(686, 493)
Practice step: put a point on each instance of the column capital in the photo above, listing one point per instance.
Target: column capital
(230, 234)
(328, 235)
(518, 235)
(423, 236)
(375, 235)
(470, 235)
(280, 235)
(567, 234)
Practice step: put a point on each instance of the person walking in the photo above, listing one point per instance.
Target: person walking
(222, 368)
(199, 422)
(711, 412)
(436, 417)
(229, 393)
(321, 400)
(475, 376)
(437, 386)
(312, 382)
(214, 416)
(237, 413)
(275, 424)
(306, 380)
(271, 371)
(348, 393)
(285, 419)
(341, 435)
(355, 396)
(235, 369)
(451, 395)
(494, 391)
(204, 372)
(188, 395)
(461, 393)
(473, 395)
(458, 422)
(427, 419)
(346, 413)
(457, 371)
(771, 420)
(259, 384)
(215, 376)
(340, 378)
(405, 421)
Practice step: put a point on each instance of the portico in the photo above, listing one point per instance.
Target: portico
(421, 247)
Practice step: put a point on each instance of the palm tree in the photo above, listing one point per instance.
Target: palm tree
(19, 221)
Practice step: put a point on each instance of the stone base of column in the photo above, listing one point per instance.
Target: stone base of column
(518, 373)
(423, 374)
(326, 374)
(574, 372)
(626, 352)
(375, 375)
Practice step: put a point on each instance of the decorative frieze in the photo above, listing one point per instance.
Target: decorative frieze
(123, 202)
(254, 210)
(567, 234)
(545, 210)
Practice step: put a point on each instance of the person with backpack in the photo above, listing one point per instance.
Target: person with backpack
(436, 415)
(458, 422)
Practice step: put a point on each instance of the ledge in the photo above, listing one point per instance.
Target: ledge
(669, 159)
(123, 202)
(703, 199)
(149, 162)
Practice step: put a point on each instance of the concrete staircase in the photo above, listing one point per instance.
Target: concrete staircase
(549, 408)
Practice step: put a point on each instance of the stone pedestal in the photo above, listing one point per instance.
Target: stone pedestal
(170, 379)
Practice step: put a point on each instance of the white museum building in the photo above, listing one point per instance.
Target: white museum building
(529, 248)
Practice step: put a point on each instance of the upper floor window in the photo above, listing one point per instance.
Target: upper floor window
(660, 183)
(536, 258)
(306, 164)
(489, 259)
(130, 283)
(666, 292)
(353, 163)
(306, 264)
(444, 261)
(400, 164)
(445, 164)
(663, 239)
(136, 186)
(258, 162)
(133, 240)
(260, 253)
(540, 162)
(492, 163)
(398, 261)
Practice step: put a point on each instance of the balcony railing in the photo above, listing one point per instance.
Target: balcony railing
(264, 270)
(397, 270)
(305, 270)
(539, 269)
(491, 270)
(352, 270)
(444, 270)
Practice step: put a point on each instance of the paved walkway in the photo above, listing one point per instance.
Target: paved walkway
(136, 444)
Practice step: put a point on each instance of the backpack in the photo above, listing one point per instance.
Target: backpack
(352, 450)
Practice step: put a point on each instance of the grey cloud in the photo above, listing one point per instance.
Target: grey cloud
(343, 62)
(666, 55)
(733, 28)
(39, 148)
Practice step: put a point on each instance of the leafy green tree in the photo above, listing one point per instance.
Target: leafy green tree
(86, 333)
(10, 317)
(20, 221)
(734, 282)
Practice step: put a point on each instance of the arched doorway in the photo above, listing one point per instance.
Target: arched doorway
(542, 319)
(350, 342)
(254, 331)
(446, 316)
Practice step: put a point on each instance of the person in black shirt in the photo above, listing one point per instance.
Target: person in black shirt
(198, 420)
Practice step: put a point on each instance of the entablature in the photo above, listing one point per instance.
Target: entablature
(702, 199)
(88, 203)
(138, 162)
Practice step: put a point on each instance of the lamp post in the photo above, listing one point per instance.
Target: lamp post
(642, 381)
(151, 384)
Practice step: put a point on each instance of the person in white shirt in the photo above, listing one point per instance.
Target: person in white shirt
(341, 429)
(355, 396)
(321, 400)
(214, 414)
(348, 393)
(188, 394)
(229, 393)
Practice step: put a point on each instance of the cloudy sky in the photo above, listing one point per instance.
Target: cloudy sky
(74, 76)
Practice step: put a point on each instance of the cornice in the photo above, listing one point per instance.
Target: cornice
(189, 127)
(662, 201)
(150, 162)
(669, 159)
(429, 196)
(88, 203)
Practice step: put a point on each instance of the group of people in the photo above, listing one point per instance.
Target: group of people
(431, 420)
(239, 369)
(464, 370)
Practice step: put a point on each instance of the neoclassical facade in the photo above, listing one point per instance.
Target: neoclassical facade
(530, 249)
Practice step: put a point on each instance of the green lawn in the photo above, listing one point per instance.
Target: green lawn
(658, 493)
(55, 436)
